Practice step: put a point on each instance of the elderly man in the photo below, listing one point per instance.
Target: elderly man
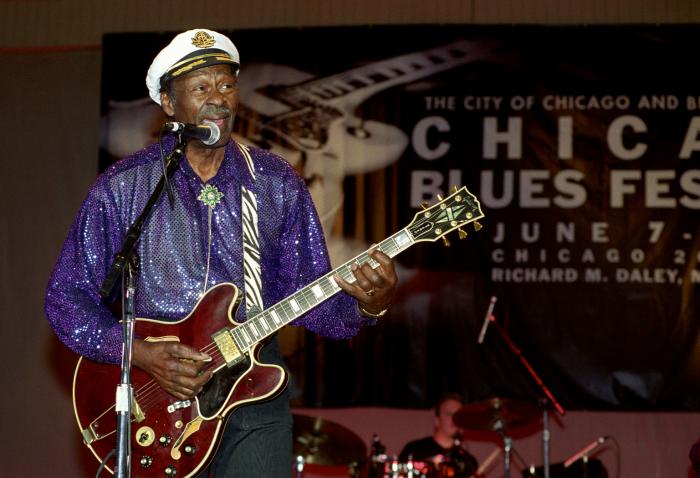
(197, 242)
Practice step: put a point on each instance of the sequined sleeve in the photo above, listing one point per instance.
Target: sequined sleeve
(73, 305)
(304, 258)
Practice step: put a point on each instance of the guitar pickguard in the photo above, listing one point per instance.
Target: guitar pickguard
(213, 396)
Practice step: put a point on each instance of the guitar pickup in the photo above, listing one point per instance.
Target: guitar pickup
(226, 345)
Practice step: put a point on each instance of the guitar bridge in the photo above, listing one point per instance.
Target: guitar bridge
(228, 348)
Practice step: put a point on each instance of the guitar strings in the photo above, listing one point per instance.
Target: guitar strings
(149, 394)
(252, 328)
(146, 393)
(151, 390)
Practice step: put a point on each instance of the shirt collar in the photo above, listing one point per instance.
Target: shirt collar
(232, 168)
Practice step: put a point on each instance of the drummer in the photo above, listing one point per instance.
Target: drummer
(444, 447)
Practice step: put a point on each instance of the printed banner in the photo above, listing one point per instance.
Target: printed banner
(581, 144)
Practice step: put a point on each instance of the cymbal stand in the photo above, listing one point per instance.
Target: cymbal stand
(508, 448)
(546, 401)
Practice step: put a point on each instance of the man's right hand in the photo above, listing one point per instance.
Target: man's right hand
(179, 369)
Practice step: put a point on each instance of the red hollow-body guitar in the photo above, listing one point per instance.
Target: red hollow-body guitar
(177, 438)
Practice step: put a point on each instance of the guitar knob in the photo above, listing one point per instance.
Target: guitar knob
(146, 461)
(170, 471)
(165, 440)
(190, 450)
(145, 436)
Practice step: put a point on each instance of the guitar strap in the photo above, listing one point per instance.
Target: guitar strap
(252, 279)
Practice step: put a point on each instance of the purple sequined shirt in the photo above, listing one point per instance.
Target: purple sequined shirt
(174, 244)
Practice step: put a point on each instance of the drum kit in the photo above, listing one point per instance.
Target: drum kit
(322, 442)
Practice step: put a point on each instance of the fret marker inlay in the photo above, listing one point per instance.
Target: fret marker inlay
(275, 318)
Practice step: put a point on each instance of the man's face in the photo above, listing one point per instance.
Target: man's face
(209, 93)
(444, 421)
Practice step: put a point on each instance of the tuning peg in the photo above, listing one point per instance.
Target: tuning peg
(424, 205)
(446, 241)
(462, 233)
(439, 196)
(477, 226)
(454, 189)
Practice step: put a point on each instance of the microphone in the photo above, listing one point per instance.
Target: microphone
(487, 319)
(208, 132)
(585, 451)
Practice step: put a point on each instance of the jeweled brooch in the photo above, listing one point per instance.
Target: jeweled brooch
(210, 195)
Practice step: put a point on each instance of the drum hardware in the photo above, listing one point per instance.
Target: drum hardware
(394, 468)
(498, 415)
(322, 442)
(382, 465)
(547, 401)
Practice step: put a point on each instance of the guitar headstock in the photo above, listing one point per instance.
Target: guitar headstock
(456, 210)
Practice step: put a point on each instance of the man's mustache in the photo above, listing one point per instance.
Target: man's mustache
(216, 111)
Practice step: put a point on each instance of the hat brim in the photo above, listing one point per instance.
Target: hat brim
(197, 60)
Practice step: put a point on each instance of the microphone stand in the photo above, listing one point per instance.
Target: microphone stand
(548, 397)
(126, 265)
(299, 467)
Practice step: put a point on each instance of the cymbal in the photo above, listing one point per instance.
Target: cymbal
(323, 442)
(496, 414)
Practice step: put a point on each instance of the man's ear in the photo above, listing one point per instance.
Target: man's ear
(166, 103)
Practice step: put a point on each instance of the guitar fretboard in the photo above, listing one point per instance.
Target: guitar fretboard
(380, 75)
(274, 318)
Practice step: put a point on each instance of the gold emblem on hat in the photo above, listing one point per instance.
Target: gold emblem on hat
(203, 40)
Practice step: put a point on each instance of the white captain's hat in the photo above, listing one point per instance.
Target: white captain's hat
(187, 52)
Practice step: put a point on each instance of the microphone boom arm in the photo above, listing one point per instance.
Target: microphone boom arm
(548, 395)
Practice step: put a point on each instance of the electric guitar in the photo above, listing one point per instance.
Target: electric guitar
(171, 437)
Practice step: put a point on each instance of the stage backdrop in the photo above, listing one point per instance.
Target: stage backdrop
(582, 144)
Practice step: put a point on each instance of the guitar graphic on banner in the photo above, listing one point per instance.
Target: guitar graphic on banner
(316, 125)
(295, 111)
(172, 437)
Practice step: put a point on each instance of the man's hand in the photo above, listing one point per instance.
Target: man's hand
(179, 369)
(373, 288)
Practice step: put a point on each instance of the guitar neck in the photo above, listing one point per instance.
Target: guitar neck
(274, 318)
(367, 80)
(458, 209)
